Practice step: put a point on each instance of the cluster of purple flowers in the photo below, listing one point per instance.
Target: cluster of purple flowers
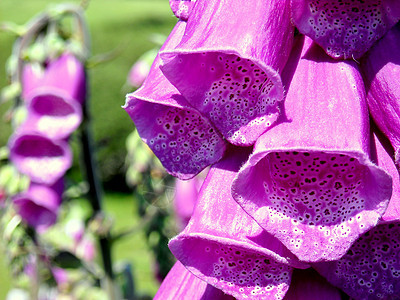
(53, 96)
(296, 105)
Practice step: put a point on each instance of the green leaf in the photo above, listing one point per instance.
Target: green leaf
(67, 260)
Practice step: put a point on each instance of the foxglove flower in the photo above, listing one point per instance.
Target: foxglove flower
(182, 8)
(183, 140)
(181, 284)
(381, 68)
(53, 115)
(345, 29)
(43, 160)
(39, 205)
(308, 284)
(54, 98)
(226, 248)
(310, 181)
(228, 63)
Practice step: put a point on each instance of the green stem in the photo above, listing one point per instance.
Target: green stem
(35, 279)
(95, 196)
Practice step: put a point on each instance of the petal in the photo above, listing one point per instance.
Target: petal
(345, 29)
(181, 284)
(371, 268)
(385, 161)
(182, 8)
(43, 160)
(308, 284)
(228, 69)
(67, 74)
(52, 113)
(310, 181)
(225, 247)
(183, 140)
(32, 76)
(39, 205)
(381, 69)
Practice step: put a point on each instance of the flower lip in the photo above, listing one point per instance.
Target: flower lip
(35, 215)
(50, 104)
(371, 267)
(239, 96)
(39, 205)
(52, 113)
(42, 159)
(183, 140)
(233, 269)
(305, 197)
(242, 248)
(345, 29)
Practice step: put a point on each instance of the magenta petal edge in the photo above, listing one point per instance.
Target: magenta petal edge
(184, 140)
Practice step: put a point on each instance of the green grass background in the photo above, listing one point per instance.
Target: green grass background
(122, 24)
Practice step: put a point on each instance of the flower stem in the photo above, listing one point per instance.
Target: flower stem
(95, 197)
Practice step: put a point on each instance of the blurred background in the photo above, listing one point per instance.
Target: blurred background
(125, 29)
